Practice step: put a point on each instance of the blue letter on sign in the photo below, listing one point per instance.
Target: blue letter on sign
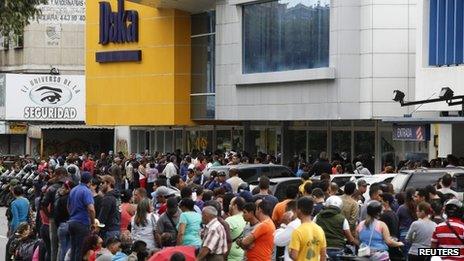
(118, 27)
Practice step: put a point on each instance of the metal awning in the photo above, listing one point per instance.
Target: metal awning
(405, 120)
(191, 6)
(72, 126)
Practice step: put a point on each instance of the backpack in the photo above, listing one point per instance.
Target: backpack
(25, 251)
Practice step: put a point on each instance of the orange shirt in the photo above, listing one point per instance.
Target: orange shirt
(263, 246)
(279, 211)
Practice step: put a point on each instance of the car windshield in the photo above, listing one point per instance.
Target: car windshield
(398, 181)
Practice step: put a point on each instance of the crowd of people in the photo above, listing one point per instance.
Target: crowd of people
(164, 207)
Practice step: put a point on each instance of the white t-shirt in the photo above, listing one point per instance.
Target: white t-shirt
(145, 233)
(283, 236)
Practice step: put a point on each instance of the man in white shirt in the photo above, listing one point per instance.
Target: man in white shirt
(283, 234)
(446, 185)
(171, 168)
(234, 180)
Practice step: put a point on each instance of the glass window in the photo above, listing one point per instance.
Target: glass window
(169, 146)
(4, 144)
(178, 140)
(237, 140)
(393, 151)
(317, 141)
(341, 145)
(202, 107)
(364, 148)
(223, 140)
(203, 51)
(285, 35)
(203, 23)
(152, 141)
(297, 146)
(142, 138)
(134, 141)
(17, 144)
(199, 141)
(160, 141)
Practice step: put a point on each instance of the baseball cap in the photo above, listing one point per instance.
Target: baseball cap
(163, 191)
(222, 173)
(358, 164)
(334, 201)
(454, 202)
(98, 224)
(86, 177)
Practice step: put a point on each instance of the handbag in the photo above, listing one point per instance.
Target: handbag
(365, 250)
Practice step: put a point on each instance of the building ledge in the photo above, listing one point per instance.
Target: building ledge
(287, 76)
(191, 6)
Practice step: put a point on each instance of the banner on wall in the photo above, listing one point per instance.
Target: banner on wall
(62, 12)
(43, 97)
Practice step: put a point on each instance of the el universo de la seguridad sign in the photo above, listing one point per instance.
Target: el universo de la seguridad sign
(45, 97)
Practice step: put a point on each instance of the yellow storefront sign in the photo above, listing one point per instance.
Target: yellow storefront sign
(153, 91)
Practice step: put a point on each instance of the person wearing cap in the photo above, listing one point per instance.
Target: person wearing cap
(162, 193)
(220, 182)
(446, 233)
(109, 212)
(335, 226)
(166, 226)
(82, 214)
(360, 169)
(234, 180)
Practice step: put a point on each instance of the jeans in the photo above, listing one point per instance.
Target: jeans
(333, 253)
(53, 240)
(45, 235)
(64, 240)
(110, 234)
(78, 232)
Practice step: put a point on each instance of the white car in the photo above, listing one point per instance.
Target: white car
(377, 178)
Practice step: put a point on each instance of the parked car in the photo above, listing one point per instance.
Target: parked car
(342, 179)
(420, 178)
(377, 178)
(278, 186)
(251, 172)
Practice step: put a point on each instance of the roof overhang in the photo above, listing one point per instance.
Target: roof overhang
(432, 120)
(191, 6)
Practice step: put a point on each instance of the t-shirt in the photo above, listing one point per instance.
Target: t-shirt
(443, 236)
(308, 239)
(389, 217)
(192, 221)
(264, 241)
(279, 211)
(236, 224)
(420, 235)
(79, 198)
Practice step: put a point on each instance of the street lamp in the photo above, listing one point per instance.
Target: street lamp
(446, 93)
(399, 96)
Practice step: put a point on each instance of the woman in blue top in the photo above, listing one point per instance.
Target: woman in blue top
(375, 234)
(19, 208)
(189, 225)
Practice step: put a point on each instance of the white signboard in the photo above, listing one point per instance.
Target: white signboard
(45, 97)
(62, 12)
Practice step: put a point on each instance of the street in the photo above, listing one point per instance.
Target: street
(3, 231)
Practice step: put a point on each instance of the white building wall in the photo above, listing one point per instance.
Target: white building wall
(372, 53)
(430, 80)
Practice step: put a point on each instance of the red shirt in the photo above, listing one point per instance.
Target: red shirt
(162, 209)
(444, 237)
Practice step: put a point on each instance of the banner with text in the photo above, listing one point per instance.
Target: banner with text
(411, 132)
(62, 12)
(45, 97)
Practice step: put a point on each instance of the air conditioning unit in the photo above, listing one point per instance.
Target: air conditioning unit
(18, 41)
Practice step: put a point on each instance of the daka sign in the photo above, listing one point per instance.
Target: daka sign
(118, 27)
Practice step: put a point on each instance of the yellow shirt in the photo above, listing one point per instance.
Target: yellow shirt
(301, 187)
(308, 239)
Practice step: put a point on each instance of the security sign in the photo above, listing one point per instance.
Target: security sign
(45, 97)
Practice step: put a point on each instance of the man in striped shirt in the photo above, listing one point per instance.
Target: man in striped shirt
(214, 247)
(446, 233)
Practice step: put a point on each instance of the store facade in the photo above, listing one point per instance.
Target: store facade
(238, 75)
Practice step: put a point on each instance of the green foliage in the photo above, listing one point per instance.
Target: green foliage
(16, 14)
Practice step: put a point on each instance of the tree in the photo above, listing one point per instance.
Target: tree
(17, 14)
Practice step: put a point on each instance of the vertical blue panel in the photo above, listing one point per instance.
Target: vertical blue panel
(433, 32)
(449, 56)
(441, 31)
(459, 32)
